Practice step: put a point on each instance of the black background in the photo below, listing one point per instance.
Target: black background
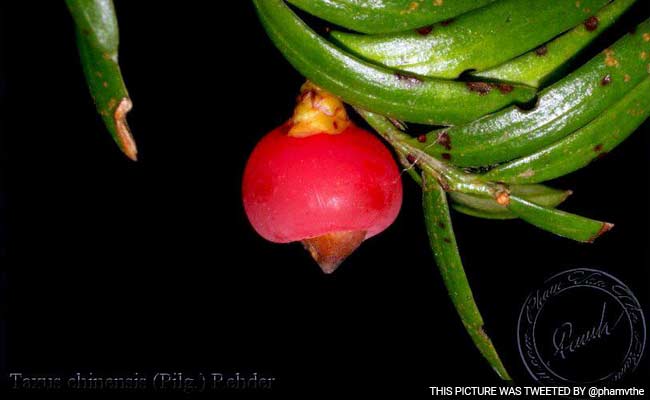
(115, 267)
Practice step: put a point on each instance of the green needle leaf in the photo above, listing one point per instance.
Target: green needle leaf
(583, 146)
(537, 66)
(381, 90)
(486, 207)
(477, 40)
(445, 251)
(98, 40)
(559, 222)
(386, 16)
(562, 108)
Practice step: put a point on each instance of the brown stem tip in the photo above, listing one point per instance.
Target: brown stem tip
(331, 249)
(124, 137)
(606, 227)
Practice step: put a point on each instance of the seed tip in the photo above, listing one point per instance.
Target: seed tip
(331, 249)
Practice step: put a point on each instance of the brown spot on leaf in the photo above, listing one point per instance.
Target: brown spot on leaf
(410, 79)
(505, 88)
(425, 30)
(610, 60)
(644, 55)
(422, 138)
(502, 197)
(482, 88)
(635, 112)
(447, 22)
(626, 78)
(591, 23)
(646, 37)
(598, 148)
(607, 79)
(411, 159)
(441, 225)
(541, 51)
(527, 173)
(412, 7)
(447, 240)
(397, 123)
(444, 185)
(444, 140)
(446, 156)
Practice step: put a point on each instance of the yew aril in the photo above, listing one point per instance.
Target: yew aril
(331, 186)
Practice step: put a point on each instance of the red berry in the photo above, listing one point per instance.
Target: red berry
(330, 191)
